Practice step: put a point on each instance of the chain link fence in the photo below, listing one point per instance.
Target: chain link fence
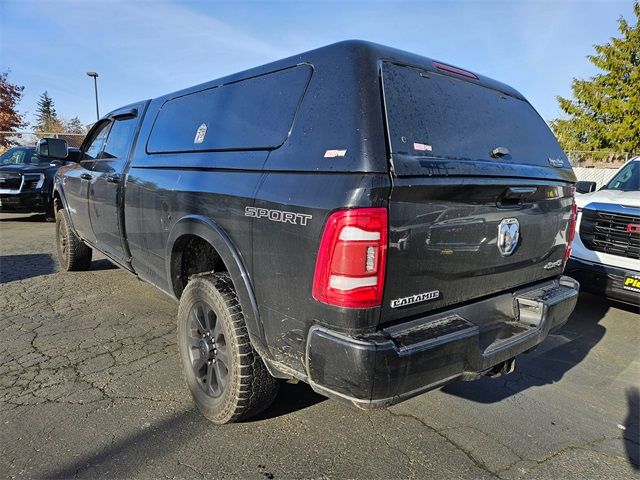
(29, 139)
(599, 175)
(601, 159)
(599, 167)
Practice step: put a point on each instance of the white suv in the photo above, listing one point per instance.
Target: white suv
(605, 256)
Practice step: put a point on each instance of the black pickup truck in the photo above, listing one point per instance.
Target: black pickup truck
(26, 180)
(369, 221)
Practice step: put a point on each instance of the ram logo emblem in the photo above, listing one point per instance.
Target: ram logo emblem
(508, 236)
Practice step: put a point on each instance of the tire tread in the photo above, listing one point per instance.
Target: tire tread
(254, 389)
(78, 253)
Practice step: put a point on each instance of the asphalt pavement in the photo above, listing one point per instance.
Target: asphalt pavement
(90, 387)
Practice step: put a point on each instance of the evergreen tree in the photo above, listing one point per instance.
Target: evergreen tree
(604, 113)
(75, 126)
(10, 119)
(46, 116)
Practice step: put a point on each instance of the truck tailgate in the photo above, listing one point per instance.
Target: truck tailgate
(444, 236)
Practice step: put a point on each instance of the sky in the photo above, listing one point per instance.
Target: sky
(146, 48)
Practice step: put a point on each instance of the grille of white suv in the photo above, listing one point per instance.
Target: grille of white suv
(609, 232)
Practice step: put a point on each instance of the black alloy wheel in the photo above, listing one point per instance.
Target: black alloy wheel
(208, 349)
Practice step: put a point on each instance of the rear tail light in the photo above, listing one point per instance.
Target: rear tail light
(572, 230)
(352, 258)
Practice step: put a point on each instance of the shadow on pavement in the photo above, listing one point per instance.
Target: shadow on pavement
(291, 398)
(123, 457)
(20, 267)
(632, 429)
(558, 354)
(102, 264)
(26, 218)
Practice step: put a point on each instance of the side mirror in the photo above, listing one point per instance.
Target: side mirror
(585, 187)
(52, 148)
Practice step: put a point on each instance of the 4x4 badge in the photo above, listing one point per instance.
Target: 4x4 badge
(508, 236)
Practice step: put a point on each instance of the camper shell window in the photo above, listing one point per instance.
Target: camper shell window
(252, 114)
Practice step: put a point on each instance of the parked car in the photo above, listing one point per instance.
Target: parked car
(307, 215)
(605, 256)
(26, 180)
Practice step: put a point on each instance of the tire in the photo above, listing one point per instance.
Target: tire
(213, 339)
(73, 253)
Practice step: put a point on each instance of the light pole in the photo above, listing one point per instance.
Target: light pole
(95, 85)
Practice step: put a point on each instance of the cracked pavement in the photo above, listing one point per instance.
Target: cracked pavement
(90, 386)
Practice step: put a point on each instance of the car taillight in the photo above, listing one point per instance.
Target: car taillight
(572, 230)
(352, 259)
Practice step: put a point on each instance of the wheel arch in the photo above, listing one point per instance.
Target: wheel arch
(59, 199)
(209, 231)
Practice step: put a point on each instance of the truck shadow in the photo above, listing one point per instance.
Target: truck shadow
(27, 218)
(102, 264)
(121, 457)
(558, 354)
(291, 398)
(20, 267)
(14, 268)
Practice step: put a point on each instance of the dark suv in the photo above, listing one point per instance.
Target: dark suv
(26, 179)
(369, 221)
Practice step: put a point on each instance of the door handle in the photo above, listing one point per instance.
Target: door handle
(86, 176)
(115, 178)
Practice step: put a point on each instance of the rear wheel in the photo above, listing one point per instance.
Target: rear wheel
(227, 378)
(73, 253)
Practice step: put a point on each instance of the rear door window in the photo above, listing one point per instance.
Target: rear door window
(439, 116)
(252, 114)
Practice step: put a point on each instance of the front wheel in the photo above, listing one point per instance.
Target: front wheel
(226, 376)
(73, 253)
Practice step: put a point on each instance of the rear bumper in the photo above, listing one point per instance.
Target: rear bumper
(32, 202)
(606, 280)
(399, 362)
